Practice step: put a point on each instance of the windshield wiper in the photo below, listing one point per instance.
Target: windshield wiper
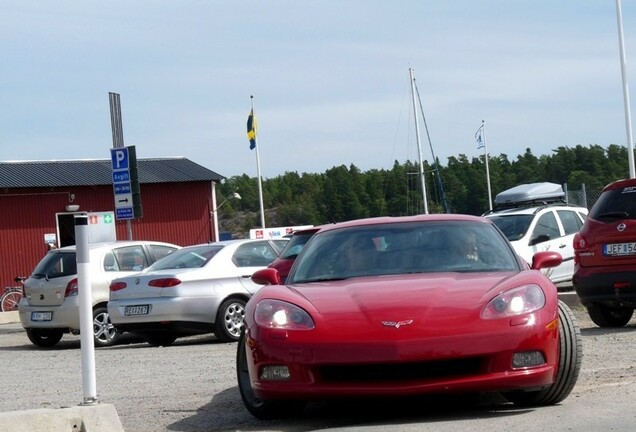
(324, 279)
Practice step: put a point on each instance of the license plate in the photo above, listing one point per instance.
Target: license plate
(41, 316)
(136, 310)
(619, 249)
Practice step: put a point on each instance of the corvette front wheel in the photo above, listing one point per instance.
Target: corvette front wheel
(570, 355)
(263, 410)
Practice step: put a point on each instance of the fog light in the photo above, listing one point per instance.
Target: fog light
(275, 373)
(528, 359)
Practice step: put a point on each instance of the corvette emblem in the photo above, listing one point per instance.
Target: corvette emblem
(397, 324)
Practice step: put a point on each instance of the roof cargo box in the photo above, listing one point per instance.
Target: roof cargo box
(543, 193)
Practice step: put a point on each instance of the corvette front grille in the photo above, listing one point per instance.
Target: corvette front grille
(416, 371)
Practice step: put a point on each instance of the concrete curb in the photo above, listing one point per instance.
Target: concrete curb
(9, 317)
(89, 418)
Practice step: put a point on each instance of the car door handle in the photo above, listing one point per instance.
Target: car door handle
(561, 246)
(246, 276)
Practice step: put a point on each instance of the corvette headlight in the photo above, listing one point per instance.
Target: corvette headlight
(518, 301)
(279, 314)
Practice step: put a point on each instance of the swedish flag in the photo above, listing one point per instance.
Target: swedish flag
(251, 129)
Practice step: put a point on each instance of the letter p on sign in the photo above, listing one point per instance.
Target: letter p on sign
(119, 158)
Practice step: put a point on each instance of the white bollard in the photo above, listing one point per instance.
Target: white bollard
(86, 310)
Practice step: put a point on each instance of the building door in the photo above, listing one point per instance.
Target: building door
(65, 229)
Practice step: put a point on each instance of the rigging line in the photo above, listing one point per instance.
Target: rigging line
(389, 178)
(435, 161)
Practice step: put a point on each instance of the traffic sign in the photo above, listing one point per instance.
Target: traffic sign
(119, 159)
(126, 183)
(121, 176)
(122, 188)
(124, 213)
(123, 200)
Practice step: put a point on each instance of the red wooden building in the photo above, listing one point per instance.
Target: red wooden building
(38, 200)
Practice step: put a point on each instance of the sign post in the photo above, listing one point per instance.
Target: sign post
(125, 175)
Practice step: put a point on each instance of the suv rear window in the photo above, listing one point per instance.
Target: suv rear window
(615, 204)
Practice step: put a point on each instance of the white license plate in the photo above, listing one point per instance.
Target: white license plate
(619, 249)
(41, 316)
(136, 310)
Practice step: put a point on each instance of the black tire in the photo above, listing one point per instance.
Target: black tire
(570, 356)
(229, 320)
(263, 410)
(158, 339)
(104, 332)
(605, 316)
(45, 338)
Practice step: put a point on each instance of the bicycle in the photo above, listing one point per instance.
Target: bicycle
(11, 296)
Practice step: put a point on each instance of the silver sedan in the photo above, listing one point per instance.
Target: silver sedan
(195, 290)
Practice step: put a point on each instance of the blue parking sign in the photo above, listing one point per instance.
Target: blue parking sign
(119, 158)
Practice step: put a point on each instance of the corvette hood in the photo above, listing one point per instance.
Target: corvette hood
(437, 300)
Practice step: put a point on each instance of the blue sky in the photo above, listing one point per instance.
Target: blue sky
(330, 79)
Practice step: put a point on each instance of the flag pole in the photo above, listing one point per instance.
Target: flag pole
(483, 136)
(258, 169)
(628, 115)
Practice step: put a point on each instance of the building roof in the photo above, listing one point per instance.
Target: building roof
(27, 174)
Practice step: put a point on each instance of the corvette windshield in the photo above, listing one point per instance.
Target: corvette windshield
(402, 248)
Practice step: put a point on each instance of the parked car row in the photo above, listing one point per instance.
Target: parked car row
(161, 291)
(194, 283)
(598, 247)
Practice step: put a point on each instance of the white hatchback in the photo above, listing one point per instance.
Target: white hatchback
(541, 228)
(50, 306)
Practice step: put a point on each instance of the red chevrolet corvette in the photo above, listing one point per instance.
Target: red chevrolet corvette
(407, 306)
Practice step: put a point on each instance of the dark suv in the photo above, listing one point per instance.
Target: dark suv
(605, 256)
(293, 247)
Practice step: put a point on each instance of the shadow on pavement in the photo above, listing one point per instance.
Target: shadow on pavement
(226, 412)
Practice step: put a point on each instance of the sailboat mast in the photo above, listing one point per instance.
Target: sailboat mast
(419, 147)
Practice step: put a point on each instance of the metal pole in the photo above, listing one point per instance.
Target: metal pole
(215, 217)
(628, 116)
(87, 343)
(483, 131)
(258, 171)
(419, 147)
(118, 136)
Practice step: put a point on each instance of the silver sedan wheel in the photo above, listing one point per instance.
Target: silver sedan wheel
(104, 331)
(229, 321)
